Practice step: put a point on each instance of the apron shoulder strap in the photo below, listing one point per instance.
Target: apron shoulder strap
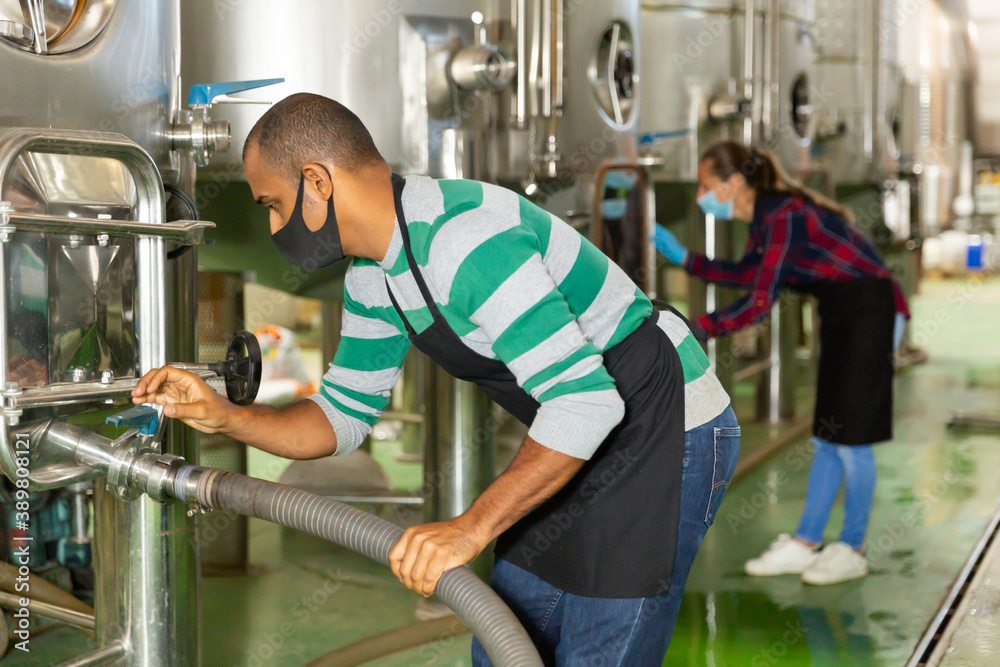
(397, 188)
(395, 304)
(698, 333)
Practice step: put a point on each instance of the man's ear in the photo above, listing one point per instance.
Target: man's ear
(320, 178)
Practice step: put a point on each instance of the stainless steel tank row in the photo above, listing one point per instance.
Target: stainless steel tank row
(858, 74)
(557, 75)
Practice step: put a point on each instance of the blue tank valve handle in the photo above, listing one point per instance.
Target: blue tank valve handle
(142, 417)
(208, 93)
(650, 137)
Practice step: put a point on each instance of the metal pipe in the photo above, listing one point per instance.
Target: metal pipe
(650, 223)
(769, 58)
(552, 82)
(479, 67)
(547, 57)
(86, 447)
(558, 47)
(536, 51)
(189, 232)
(8, 458)
(101, 656)
(774, 372)
(870, 40)
(145, 574)
(41, 590)
(774, 84)
(521, 54)
(53, 612)
(81, 512)
(749, 14)
(459, 446)
(458, 449)
(710, 288)
(66, 394)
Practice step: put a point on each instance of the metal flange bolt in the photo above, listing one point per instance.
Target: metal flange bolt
(198, 509)
(6, 229)
(11, 413)
(103, 239)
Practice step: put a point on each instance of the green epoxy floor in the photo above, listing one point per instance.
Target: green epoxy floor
(936, 492)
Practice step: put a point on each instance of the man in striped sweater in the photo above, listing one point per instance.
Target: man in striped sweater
(594, 535)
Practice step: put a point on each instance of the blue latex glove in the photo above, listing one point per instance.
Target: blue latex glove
(897, 331)
(669, 246)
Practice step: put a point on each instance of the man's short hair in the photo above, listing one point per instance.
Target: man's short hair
(305, 128)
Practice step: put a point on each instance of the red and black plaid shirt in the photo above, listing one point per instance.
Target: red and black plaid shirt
(792, 242)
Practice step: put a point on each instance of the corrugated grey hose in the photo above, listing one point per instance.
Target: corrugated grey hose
(503, 637)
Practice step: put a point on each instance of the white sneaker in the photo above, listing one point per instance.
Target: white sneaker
(836, 563)
(784, 556)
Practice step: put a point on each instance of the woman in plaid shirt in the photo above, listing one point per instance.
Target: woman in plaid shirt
(803, 241)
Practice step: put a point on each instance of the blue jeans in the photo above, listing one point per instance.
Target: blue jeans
(710, 455)
(581, 631)
(831, 464)
(575, 630)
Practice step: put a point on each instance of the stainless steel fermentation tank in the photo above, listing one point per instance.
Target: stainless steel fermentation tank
(893, 113)
(709, 75)
(936, 104)
(857, 112)
(83, 312)
(87, 289)
(539, 95)
(857, 75)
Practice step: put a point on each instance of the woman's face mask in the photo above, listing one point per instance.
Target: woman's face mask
(721, 210)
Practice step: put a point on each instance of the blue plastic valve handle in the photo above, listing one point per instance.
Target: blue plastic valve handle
(650, 137)
(205, 93)
(145, 418)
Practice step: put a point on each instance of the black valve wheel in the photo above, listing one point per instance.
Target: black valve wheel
(242, 368)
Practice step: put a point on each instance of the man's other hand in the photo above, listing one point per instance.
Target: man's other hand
(185, 396)
(426, 552)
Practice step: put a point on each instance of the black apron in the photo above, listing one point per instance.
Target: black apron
(854, 383)
(612, 530)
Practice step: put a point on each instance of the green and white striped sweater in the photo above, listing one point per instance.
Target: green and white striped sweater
(516, 284)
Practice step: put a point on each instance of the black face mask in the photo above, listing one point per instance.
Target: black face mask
(306, 248)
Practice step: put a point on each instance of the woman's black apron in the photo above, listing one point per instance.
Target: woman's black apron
(611, 531)
(854, 384)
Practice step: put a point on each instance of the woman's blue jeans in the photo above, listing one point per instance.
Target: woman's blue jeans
(854, 465)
